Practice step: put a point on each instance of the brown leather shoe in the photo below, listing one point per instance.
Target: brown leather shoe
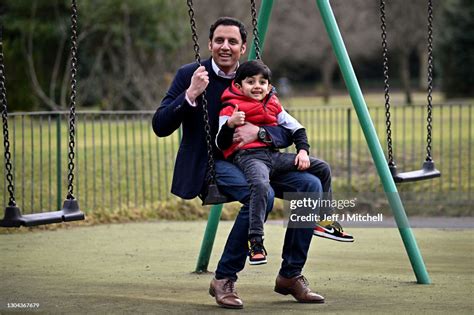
(225, 294)
(298, 287)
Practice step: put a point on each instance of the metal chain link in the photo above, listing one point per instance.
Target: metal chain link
(256, 36)
(207, 126)
(72, 113)
(192, 22)
(6, 141)
(386, 84)
(430, 81)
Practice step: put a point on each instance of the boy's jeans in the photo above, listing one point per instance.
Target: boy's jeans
(262, 164)
(232, 182)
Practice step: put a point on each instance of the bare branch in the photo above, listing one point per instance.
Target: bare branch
(65, 83)
(31, 66)
(59, 55)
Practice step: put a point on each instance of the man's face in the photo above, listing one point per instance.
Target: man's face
(226, 47)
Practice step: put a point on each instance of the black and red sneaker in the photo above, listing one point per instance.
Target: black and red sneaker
(257, 252)
(332, 231)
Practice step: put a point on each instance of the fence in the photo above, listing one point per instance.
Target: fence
(121, 163)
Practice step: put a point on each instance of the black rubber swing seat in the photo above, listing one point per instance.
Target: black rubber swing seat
(426, 172)
(214, 196)
(69, 212)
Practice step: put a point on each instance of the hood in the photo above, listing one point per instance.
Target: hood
(233, 93)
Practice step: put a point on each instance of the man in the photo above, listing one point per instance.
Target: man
(181, 106)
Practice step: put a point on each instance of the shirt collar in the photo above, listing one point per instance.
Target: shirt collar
(221, 73)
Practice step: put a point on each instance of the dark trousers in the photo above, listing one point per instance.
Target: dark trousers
(260, 166)
(232, 182)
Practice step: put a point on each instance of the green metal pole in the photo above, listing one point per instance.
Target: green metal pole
(360, 106)
(262, 26)
(216, 210)
(58, 162)
(349, 149)
(208, 239)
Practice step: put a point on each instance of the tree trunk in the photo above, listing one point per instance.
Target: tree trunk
(423, 75)
(328, 67)
(405, 76)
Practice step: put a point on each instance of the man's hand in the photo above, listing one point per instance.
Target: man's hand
(199, 82)
(302, 160)
(245, 134)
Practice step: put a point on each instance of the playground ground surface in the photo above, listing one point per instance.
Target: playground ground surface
(147, 268)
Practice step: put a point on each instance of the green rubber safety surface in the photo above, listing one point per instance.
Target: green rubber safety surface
(147, 268)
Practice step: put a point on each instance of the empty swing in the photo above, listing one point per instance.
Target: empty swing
(428, 169)
(70, 211)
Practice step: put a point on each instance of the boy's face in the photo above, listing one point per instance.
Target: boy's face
(256, 87)
(226, 47)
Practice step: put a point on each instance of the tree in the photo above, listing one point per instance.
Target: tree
(135, 43)
(456, 48)
(125, 48)
(406, 33)
(299, 47)
(15, 19)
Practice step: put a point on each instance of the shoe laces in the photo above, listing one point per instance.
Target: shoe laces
(337, 226)
(303, 280)
(256, 248)
(229, 286)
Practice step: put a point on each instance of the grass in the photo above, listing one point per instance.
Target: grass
(146, 268)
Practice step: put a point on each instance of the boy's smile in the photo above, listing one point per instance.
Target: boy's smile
(256, 87)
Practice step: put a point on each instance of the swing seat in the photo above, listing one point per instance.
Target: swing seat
(69, 212)
(428, 171)
(214, 196)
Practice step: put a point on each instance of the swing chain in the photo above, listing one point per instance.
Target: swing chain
(72, 113)
(256, 36)
(386, 84)
(194, 32)
(6, 141)
(430, 81)
(207, 126)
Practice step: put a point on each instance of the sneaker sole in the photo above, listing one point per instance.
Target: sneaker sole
(332, 237)
(261, 262)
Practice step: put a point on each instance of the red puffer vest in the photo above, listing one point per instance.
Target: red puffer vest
(259, 113)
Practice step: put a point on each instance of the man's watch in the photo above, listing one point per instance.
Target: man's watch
(262, 134)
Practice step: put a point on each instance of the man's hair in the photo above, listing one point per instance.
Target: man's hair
(229, 21)
(251, 68)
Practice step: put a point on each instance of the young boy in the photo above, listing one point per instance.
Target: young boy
(252, 99)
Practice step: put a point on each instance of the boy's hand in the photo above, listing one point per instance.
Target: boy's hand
(302, 160)
(237, 118)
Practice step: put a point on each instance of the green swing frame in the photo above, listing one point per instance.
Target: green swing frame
(370, 134)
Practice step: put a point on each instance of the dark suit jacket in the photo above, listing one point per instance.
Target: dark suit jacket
(191, 160)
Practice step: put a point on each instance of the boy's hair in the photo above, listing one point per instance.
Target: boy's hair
(251, 68)
(229, 21)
